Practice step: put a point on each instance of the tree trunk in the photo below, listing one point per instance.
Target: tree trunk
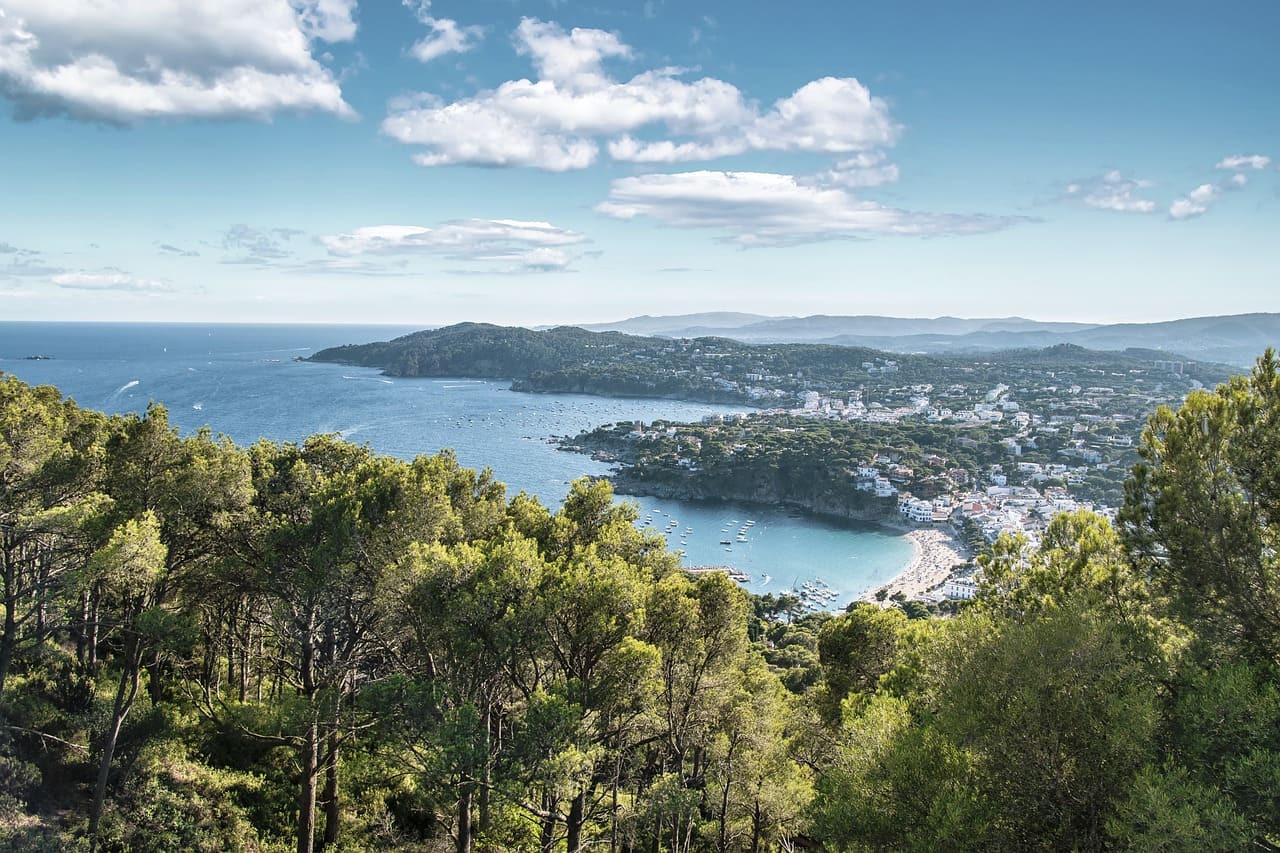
(464, 817)
(93, 635)
(9, 639)
(310, 742)
(244, 662)
(724, 816)
(126, 692)
(231, 648)
(486, 772)
(155, 679)
(7, 642)
(548, 836)
(724, 796)
(573, 823)
(79, 630)
(332, 808)
(307, 790)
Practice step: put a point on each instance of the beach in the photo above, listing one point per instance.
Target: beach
(937, 552)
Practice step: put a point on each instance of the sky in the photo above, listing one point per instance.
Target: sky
(557, 161)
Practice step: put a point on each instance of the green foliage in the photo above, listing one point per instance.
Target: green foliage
(856, 648)
(1166, 811)
(172, 802)
(302, 644)
(1202, 511)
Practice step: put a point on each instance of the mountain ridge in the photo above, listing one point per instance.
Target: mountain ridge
(1230, 338)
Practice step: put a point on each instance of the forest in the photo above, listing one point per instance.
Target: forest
(310, 646)
(786, 460)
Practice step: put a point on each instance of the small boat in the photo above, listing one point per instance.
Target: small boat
(725, 542)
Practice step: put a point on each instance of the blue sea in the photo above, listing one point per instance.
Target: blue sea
(244, 381)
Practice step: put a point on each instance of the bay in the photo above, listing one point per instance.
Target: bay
(244, 381)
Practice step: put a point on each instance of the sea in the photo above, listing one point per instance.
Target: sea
(245, 381)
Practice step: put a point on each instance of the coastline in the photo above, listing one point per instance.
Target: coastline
(937, 551)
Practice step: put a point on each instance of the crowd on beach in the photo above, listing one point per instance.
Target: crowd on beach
(937, 553)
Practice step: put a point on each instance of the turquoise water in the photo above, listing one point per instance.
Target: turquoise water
(243, 381)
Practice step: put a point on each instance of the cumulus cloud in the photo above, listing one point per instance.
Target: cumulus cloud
(868, 169)
(1244, 161)
(169, 249)
(1195, 203)
(447, 35)
(110, 281)
(1112, 191)
(1202, 198)
(561, 120)
(766, 209)
(122, 61)
(511, 245)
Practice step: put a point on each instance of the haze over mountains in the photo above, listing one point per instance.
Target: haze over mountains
(1235, 339)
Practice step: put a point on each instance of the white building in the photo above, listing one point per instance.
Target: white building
(960, 588)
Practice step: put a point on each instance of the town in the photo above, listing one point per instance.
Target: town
(983, 450)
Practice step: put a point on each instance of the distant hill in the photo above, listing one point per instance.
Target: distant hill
(818, 327)
(709, 323)
(1234, 339)
(567, 359)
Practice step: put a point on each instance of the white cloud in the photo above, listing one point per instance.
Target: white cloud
(868, 169)
(513, 245)
(836, 115)
(479, 133)
(327, 20)
(561, 120)
(766, 209)
(1195, 203)
(632, 150)
(572, 58)
(447, 36)
(1112, 191)
(110, 281)
(126, 61)
(1244, 161)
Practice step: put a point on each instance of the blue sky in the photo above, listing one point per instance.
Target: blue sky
(539, 162)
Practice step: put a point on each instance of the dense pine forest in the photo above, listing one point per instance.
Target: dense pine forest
(311, 646)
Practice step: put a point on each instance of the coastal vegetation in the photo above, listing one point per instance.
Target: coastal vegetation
(802, 462)
(310, 646)
(719, 370)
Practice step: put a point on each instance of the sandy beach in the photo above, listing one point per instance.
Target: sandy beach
(937, 552)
